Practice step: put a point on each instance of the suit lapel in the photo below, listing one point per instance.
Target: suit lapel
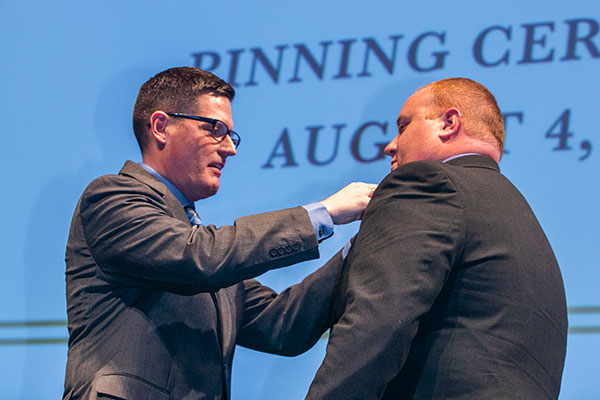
(225, 309)
(135, 171)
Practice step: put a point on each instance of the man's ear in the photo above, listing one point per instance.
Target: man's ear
(158, 127)
(451, 124)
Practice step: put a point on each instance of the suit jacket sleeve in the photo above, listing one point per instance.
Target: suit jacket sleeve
(410, 237)
(291, 322)
(137, 240)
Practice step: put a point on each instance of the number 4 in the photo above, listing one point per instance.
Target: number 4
(560, 131)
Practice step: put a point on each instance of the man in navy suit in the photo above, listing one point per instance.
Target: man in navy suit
(157, 301)
(451, 289)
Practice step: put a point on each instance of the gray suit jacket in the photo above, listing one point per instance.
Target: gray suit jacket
(450, 291)
(155, 306)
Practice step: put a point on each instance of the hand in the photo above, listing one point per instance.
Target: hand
(348, 204)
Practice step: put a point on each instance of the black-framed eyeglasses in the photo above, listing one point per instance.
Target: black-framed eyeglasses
(219, 129)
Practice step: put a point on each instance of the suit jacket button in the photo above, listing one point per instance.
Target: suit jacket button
(288, 249)
(296, 246)
(273, 252)
(281, 251)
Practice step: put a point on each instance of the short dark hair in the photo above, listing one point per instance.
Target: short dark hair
(483, 118)
(174, 90)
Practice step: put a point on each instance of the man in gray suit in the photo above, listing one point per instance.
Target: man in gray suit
(451, 289)
(157, 301)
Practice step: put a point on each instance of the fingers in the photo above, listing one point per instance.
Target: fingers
(372, 190)
(349, 203)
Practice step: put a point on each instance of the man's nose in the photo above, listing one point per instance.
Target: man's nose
(228, 147)
(390, 149)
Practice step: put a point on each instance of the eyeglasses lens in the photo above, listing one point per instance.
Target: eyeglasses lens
(220, 130)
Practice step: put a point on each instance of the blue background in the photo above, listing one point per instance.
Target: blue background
(70, 73)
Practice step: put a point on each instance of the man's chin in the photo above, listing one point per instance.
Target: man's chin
(207, 191)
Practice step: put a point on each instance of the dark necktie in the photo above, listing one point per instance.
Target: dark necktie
(192, 214)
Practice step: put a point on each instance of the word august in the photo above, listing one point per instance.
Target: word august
(368, 140)
(494, 46)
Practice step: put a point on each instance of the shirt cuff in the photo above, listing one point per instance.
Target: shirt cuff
(320, 219)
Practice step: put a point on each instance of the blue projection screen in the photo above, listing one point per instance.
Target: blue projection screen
(319, 87)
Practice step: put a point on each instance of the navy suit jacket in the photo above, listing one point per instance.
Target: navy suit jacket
(156, 306)
(450, 291)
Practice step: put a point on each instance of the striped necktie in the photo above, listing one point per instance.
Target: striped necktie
(190, 210)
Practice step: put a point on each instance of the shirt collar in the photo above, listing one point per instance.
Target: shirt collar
(184, 202)
(461, 155)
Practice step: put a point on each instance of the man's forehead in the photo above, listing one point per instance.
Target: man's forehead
(410, 106)
(214, 99)
(420, 96)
